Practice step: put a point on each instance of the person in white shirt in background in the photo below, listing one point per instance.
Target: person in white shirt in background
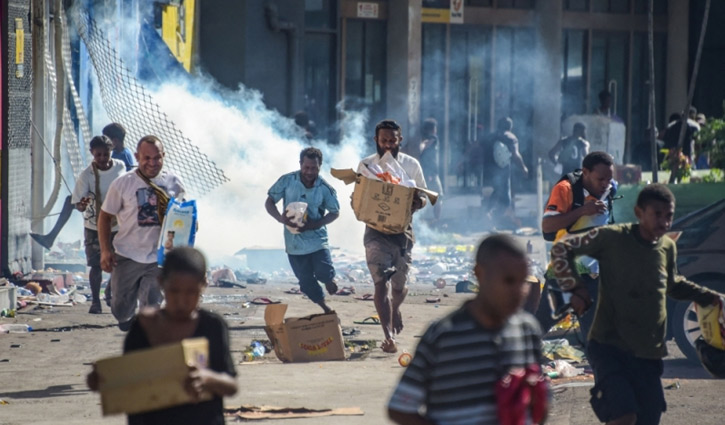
(90, 190)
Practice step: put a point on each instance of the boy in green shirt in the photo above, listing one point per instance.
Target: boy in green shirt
(626, 343)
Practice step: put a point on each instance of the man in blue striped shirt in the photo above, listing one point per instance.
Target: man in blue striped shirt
(461, 358)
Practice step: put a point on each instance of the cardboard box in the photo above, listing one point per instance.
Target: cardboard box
(304, 339)
(385, 207)
(150, 379)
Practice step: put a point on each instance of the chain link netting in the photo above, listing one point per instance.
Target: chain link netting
(126, 101)
(68, 133)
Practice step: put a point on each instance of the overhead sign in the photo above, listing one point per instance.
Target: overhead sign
(367, 10)
(456, 12)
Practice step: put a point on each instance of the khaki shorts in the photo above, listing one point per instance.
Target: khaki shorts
(388, 258)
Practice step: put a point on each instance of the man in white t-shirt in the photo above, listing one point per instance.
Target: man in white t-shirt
(133, 201)
(389, 256)
(91, 186)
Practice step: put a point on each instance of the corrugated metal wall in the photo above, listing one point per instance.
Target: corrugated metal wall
(16, 206)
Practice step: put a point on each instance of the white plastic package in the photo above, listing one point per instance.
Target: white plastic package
(178, 228)
(297, 213)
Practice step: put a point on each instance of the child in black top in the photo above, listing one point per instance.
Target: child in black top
(183, 279)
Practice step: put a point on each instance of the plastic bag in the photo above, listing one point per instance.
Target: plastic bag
(712, 323)
(388, 169)
(561, 349)
(566, 370)
(297, 213)
(179, 227)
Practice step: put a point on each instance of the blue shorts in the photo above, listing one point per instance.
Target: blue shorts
(625, 385)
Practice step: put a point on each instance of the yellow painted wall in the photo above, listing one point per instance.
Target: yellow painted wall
(177, 33)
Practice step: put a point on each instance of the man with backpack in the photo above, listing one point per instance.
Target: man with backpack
(581, 200)
(502, 154)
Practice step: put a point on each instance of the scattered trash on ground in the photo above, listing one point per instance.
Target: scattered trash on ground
(562, 369)
(556, 349)
(405, 359)
(244, 413)
(256, 350)
(15, 328)
(673, 386)
(371, 320)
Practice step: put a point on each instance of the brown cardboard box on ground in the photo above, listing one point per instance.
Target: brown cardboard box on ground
(150, 379)
(304, 339)
(382, 206)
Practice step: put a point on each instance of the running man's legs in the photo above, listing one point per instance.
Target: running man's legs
(132, 283)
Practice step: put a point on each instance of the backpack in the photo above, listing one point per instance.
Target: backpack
(577, 186)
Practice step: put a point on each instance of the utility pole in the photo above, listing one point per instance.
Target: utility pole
(652, 109)
(38, 16)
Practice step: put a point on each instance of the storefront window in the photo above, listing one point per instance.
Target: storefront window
(479, 3)
(610, 6)
(365, 68)
(320, 65)
(573, 81)
(320, 82)
(469, 101)
(433, 65)
(515, 4)
(642, 6)
(515, 68)
(576, 5)
(320, 14)
(610, 52)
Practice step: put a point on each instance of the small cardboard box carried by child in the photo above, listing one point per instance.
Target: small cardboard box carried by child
(304, 339)
(150, 379)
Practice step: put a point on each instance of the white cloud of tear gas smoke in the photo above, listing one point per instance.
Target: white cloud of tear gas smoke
(255, 146)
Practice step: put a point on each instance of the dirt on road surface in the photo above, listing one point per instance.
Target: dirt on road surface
(43, 372)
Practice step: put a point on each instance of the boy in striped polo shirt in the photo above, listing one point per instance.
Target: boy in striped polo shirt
(461, 358)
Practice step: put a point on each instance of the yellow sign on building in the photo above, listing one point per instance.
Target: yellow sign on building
(177, 30)
(438, 16)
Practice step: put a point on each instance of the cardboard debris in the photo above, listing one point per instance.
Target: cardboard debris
(383, 206)
(8, 298)
(304, 339)
(271, 412)
(150, 379)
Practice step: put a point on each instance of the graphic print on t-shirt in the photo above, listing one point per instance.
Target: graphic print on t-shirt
(147, 207)
(90, 212)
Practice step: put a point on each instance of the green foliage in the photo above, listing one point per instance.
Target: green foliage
(715, 176)
(711, 140)
(683, 171)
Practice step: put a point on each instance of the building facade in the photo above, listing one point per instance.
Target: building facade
(537, 62)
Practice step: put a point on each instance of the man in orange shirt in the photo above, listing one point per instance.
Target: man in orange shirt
(581, 200)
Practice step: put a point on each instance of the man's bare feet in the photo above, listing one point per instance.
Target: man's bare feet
(388, 346)
(397, 322)
(326, 308)
(331, 287)
(397, 317)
